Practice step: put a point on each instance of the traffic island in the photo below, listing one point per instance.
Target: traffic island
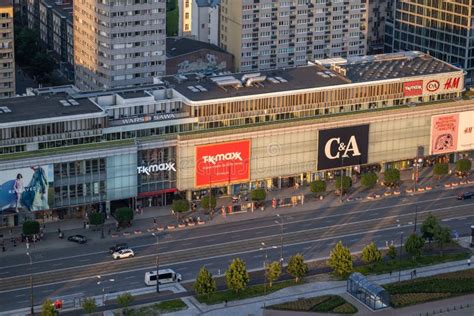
(431, 288)
(320, 304)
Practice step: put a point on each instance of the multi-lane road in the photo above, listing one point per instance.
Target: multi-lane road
(74, 270)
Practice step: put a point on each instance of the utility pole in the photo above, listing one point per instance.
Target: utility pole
(416, 217)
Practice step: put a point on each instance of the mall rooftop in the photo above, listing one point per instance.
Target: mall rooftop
(321, 73)
(47, 106)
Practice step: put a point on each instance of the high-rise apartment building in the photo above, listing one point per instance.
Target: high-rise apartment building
(264, 34)
(442, 28)
(118, 42)
(377, 14)
(7, 50)
(205, 21)
(185, 17)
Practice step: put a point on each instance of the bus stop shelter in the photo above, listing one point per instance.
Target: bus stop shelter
(369, 293)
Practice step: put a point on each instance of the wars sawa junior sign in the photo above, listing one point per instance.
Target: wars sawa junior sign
(343, 147)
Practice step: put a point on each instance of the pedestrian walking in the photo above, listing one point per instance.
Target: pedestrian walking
(59, 231)
(468, 262)
(414, 273)
(390, 272)
(154, 220)
(225, 303)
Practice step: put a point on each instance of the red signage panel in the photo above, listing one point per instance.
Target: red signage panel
(222, 163)
(413, 88)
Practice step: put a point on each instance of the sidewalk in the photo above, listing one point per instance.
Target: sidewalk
(144, 222)
(254, 306)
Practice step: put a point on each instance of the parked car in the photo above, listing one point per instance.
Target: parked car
(78, 238)
(118, 247)
(124, 253)
(465, 195)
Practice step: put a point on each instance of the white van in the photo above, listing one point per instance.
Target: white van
(164, 276)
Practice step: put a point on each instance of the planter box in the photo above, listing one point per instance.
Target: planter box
(181, 225)
(396, 192)
(447, 185)
(126, 233)
(428, 188)
(170, 226)
(160, 228)
(201, 222)
(137, 232)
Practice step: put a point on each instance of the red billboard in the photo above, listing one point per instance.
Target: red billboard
(223, 163)
(413, 88)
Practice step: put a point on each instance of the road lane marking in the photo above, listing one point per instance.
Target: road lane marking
(251, 239)
(210, 258)
(249, 229)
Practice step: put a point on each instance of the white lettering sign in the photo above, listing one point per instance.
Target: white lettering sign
(351, 146)
(223, 157)
(168, 166)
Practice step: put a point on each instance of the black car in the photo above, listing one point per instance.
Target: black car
(118, 247)
(465, 195)
(78, 238)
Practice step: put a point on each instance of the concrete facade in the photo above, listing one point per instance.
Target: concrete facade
(267, 34)
(118, 42)
(205, 21)
(185, 8)
(7, 50)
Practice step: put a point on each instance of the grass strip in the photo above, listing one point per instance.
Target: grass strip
(251, 291)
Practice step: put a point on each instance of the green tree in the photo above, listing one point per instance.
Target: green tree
(371, 254)
(413, 245)
(440, 169)
(96, 218)
(463, 167)
(392, 252)
(318, 187)
(42, 65)
(47, 309)
(273, 272)
(442, 236)
(391, 177)
(124, 300)
(26, 44)
(346, 183)
(180, 206)
(237, 276)
(205, 283)
(124, 216)
(297, 268)
(428, 227)
(258, 195)
(340, 259)
(205, 202)
(369, 179)
(31, 228)
(89, 305)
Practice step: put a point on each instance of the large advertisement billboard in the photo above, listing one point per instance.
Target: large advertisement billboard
(452, 132)
(223, 163)
(343, 147)
(26, 189)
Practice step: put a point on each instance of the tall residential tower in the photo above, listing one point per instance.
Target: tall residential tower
(118, 42)
(7, 51)
(264, 34)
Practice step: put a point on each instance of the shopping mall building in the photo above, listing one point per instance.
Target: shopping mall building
(65, 152)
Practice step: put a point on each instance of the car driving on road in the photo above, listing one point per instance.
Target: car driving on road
(118, 247)
(124, 253)
(78, 239)
(465, 195)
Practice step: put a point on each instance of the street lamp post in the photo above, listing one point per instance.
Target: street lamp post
(157, 263)
(31, 280)
(400, 257)
(281, 237)
(265, 268)
(342, 175)
(416, 217)
(103, 287)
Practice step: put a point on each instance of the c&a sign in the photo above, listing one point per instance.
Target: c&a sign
(342, 147)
